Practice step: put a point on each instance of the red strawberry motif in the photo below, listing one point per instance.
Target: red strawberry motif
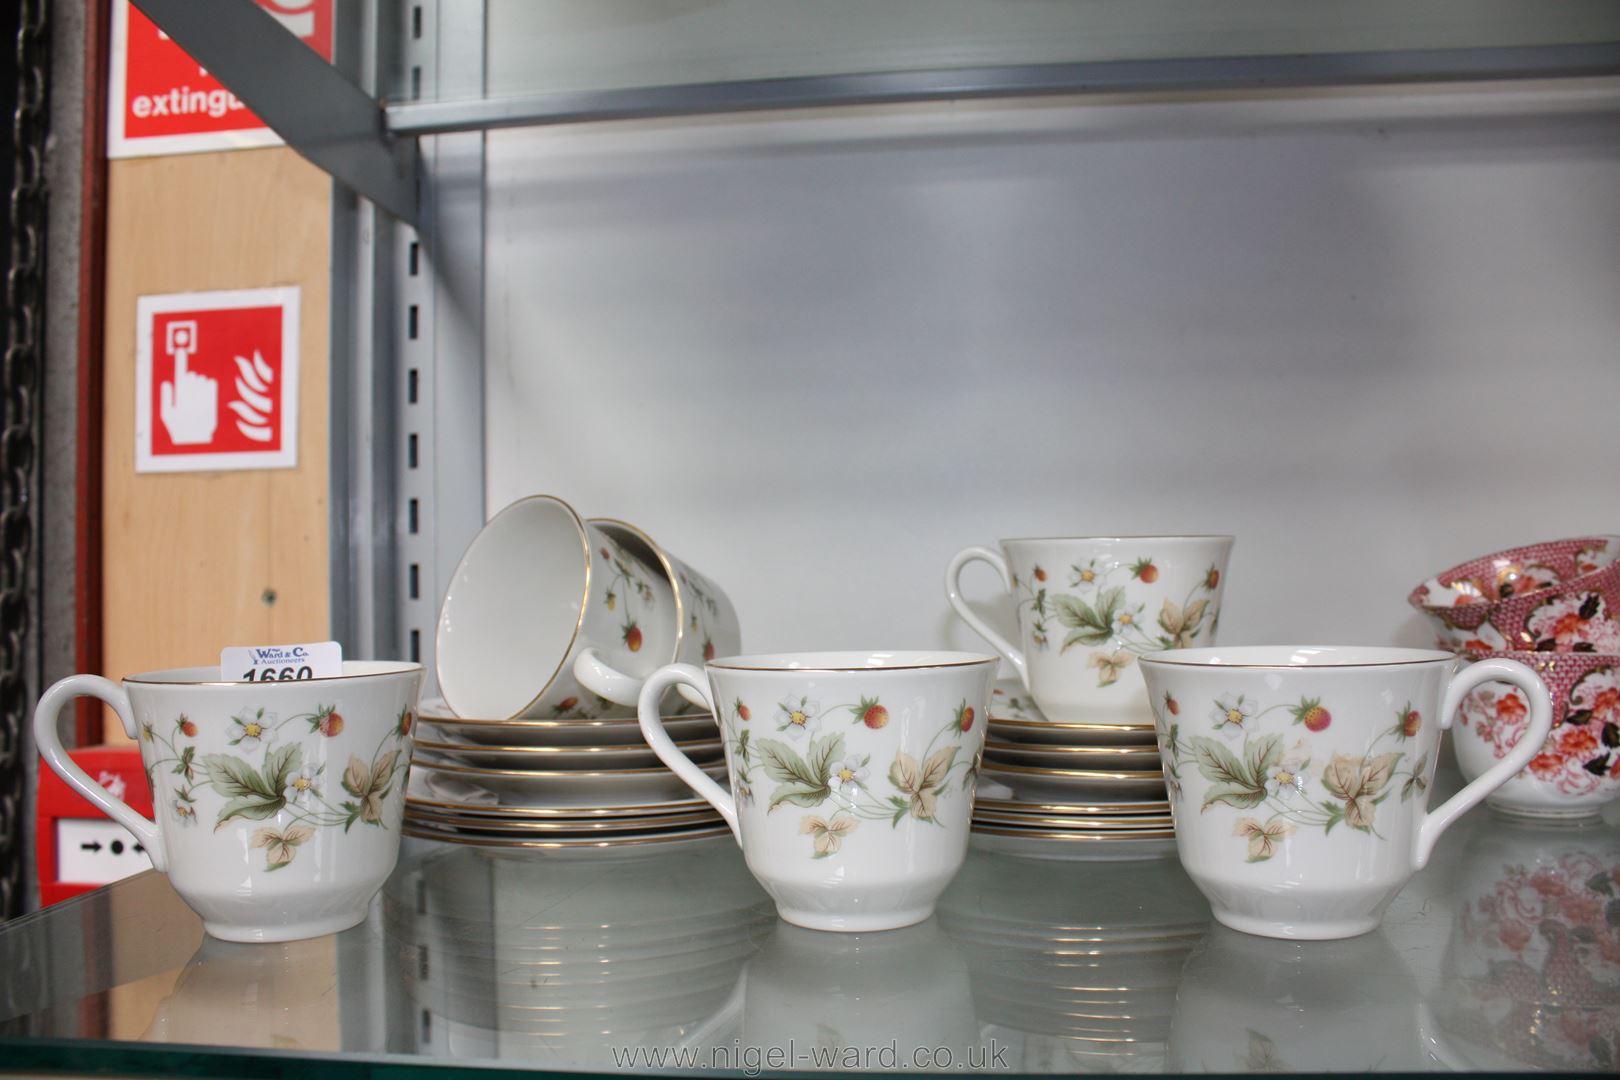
(964, 716)
(1411, 721)
(632, 637)
(742, 711)
(567, 703)
(1171, 705)
(1309, 712)
(407, 720)
(708, 649)
(872, 714)
(1144, 571)
(330, 724)
(1040, 575)
(1212, 578)
(605, 554)
(188, 727)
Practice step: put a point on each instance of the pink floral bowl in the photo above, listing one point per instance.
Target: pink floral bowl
(1578, 768)
(1558, 596)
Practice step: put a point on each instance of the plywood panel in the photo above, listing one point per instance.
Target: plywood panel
(197, 561)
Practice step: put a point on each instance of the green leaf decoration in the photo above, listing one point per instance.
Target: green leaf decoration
(743, 748)
(1088, 626)
(1260, 754)
(782, 763)
(1234, 782)
(823, 752)
(281, 763)
(799, 795)
(234, 778)
(253, 806)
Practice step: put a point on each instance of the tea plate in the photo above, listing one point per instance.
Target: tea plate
(447, 794)
(1064, 845)
(574, 827)
(1036, 784)
(556, 757)
(561, 731)
(1108, 758)
(626, 840)
(1103, 808)
(558, 788)
(1053, 733)
(1079, 823)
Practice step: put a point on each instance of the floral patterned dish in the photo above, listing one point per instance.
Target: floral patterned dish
(1558, 596)
(565, 733)
(1074, 757)
(552, 757)
(556, 787)
(1036, 783)
(1577, 771)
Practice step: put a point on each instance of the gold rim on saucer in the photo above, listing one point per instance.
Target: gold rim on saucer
(1120, 809)
(1064, 834)
(574, 813)
(694, 747)
(599, 825)
(1079, 774)
(581, 842)
(555, 774)
(1060, 748)
(1150, 823)
(1146, 727)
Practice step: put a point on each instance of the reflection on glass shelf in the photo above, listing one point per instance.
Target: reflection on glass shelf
(1504, 953)
(593, 45)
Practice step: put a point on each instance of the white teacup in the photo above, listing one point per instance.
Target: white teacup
(853, 774)
(278, 804)
(1299, 775)
(1089, 606)
(549, 615)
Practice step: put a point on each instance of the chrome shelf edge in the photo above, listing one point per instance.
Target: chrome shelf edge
(1113, 76)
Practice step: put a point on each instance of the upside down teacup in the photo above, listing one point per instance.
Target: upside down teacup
(852, 774)
(278, 804)
(551, 616)
(1088, 607)
(1576, 771)
(1299, 775)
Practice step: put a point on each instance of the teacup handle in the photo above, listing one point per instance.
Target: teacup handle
(50, 748)
(1437, 821)
(953, 593)
(594, 674)
(650, 713)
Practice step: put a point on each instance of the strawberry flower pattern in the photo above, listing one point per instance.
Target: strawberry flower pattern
(813, 765)
(283, 783)
(798, 716)
(1249, 769)
(1105, 613)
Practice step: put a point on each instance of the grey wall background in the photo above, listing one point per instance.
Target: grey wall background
(1369, 333)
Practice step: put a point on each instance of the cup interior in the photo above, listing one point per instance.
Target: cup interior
(1522, 571)
(513, 608)
(849, 661)
(210, 676)
(1296, 656)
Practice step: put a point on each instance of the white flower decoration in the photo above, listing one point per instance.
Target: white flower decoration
(184, 812)
(798, 716)
(301, 787)
(1231, 712)
(849, 775)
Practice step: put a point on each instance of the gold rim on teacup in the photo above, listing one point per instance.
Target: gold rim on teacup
(209, 675)
(1210, 657)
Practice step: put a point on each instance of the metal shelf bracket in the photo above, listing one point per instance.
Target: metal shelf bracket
(305, 100)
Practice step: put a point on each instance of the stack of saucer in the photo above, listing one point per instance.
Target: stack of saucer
(560, 783)
(1046, 785)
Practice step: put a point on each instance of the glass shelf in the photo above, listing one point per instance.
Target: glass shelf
(1503, 954)
(565, 60)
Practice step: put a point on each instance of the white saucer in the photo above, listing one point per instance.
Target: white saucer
(533, 789)
(1107, 758)
(618, 731)
(1031, 783)
(588, 758)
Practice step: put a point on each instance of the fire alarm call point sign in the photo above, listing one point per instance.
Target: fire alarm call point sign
(216, 380)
